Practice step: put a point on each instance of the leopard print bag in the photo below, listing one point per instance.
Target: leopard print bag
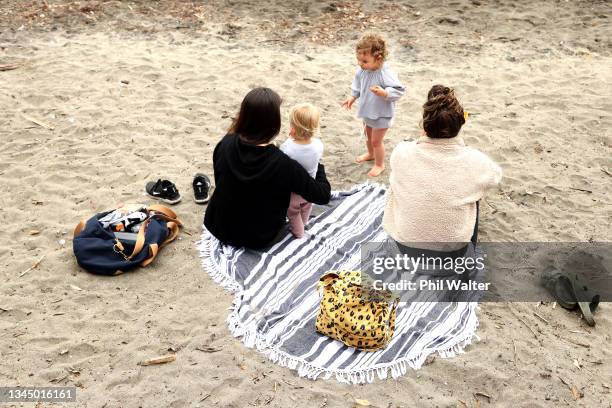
(355, 313)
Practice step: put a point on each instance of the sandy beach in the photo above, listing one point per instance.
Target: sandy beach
(100, 97)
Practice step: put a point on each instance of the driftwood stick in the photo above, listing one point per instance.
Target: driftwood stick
(34, 266)
(10, 67)
(159, 360)
(38, 122)
(541, 318)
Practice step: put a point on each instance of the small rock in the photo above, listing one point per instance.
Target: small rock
(125, 82)
(538, 148)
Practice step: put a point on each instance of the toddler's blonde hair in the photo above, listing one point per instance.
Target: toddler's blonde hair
(304, 118)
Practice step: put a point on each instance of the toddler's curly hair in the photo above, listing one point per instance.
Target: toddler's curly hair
(443, 115)
(374, 44)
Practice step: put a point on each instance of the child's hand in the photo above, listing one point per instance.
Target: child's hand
(379, 91)
(348, 102)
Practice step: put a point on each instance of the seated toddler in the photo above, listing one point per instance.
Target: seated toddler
(307, 150)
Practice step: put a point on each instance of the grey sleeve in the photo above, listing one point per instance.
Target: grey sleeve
(392, 85)
(356, 85)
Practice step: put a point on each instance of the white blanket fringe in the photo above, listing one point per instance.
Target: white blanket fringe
(398, 368)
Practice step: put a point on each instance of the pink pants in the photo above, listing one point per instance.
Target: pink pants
(298, 214)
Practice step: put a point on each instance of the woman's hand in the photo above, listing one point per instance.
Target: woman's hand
(378, 91)
(348, 102)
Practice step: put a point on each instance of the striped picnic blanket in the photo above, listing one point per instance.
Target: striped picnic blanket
(276, 299)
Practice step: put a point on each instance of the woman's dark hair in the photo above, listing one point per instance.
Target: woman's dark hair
(442, 113)
(259, 119)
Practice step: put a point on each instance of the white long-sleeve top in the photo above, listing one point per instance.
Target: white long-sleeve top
(372, 106)
(308, 155)
(434, 187)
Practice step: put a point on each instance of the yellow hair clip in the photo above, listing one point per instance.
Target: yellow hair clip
(466, 115)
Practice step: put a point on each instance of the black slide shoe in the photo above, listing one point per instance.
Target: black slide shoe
(570, 292)
(163, 190)
(201, 188)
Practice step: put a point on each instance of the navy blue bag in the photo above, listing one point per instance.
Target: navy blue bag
(102, 251)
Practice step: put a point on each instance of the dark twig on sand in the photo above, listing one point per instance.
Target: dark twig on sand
(575, 342)
(581, 189)
(482, 394)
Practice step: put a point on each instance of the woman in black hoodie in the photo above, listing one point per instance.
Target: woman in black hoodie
(254, 179)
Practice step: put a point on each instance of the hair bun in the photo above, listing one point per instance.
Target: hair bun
(440, 90)
(443, 115)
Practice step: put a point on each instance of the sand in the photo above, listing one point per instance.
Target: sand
(135, 91)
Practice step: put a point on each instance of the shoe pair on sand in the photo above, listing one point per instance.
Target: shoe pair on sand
(166, 191)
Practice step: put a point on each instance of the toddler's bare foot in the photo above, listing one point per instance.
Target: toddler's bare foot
(364, 158)
(376, 170)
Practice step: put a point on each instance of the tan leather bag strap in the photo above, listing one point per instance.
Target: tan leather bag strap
(164, 217)
(174, 231)
(164, 210)
(153, 250)
(140, 239)
(79, 228)
(164, 213)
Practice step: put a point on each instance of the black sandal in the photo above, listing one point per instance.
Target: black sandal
(570, 292)
(163, 190)
(201, 188)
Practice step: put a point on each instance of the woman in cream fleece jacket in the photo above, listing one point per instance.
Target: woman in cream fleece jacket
(437, 181)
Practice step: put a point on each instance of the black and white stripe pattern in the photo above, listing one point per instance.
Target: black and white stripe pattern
(276, 300)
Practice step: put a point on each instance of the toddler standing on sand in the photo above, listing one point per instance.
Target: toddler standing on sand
(377, 87)
(307, 150)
